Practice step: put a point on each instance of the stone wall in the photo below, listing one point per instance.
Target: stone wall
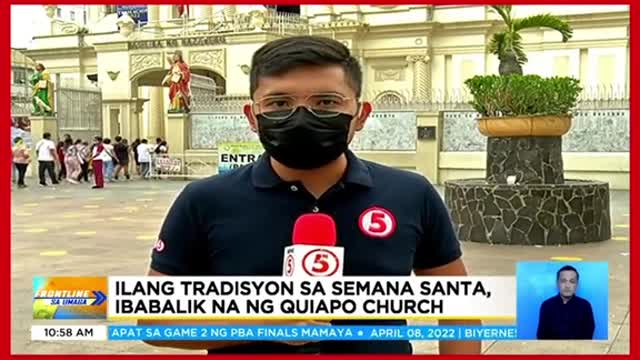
(575, 212)
(605, 130)
(209, 130)
(385, 130)
(388, 130)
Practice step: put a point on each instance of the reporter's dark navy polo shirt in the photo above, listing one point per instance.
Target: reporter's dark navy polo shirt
(239, 223)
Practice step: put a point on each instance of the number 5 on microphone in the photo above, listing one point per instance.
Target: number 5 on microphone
(320, 263)
(308, 260)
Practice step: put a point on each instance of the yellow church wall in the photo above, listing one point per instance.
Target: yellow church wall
(455, 13)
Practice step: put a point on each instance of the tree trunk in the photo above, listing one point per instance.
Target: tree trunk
(509, 65)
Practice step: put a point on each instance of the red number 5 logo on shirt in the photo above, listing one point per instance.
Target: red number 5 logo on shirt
(377, 222)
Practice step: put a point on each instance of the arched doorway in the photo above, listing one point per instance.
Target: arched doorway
(206, 85)
(153, 77)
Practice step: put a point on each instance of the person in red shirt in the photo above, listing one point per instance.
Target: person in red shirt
(99, 155)
(63, 169)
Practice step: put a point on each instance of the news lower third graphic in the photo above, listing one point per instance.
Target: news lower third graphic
(270, 333)
(316, 298)
(130, 298)
(312, 333)
(69, 298)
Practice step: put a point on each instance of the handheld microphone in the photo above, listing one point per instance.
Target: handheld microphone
(313, 252)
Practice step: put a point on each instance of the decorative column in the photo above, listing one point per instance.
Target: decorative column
(203, 11)
(156, 112)
(177, 128)
(421, 77)
(131, 130)
(153, 16)
(584, 66)
(627, 79)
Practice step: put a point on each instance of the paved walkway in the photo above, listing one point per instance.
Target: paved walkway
(72, 230)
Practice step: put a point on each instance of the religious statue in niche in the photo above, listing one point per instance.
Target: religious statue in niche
(179, 81)
(42, 95)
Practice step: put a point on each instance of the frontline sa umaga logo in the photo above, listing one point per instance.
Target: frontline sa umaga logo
(69, 298)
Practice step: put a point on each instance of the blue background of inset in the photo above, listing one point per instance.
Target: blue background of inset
(536, 282)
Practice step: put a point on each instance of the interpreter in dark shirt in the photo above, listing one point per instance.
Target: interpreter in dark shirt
(566, 316)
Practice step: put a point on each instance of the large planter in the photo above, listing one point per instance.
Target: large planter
(531, 214)
(554, 125)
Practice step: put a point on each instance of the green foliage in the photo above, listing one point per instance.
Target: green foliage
(546, 21)
(509, 41)
(517, 95)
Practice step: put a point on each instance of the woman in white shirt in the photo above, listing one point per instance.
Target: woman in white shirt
(110, 161)
(144, 158)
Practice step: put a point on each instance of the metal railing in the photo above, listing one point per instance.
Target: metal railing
(592, 97)
(21, 91)
(604, 96)
(181, 166)
(21, 95)
(202, 90)
(79, 111)
(223, 23)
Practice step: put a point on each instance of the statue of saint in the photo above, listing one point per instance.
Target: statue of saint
(42, 91)
(179, 81)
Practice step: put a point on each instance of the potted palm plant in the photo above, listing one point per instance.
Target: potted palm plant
(524, 198)
(516, 105)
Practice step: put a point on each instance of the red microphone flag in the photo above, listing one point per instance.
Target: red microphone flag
(314, 229)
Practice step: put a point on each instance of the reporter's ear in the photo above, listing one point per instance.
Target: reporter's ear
(365, 110)
(253, 122)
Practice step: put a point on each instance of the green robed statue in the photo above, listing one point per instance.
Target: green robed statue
(42, 91)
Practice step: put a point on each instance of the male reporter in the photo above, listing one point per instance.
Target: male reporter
(566, 316)
(306, 109)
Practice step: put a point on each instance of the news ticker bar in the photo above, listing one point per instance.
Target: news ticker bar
(270, 333)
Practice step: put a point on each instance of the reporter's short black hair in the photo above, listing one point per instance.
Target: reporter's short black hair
(280, 56)
(567, 268)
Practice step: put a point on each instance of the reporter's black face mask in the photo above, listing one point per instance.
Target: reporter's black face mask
(303, 140)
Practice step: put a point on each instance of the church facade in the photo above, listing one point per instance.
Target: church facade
(415, 58)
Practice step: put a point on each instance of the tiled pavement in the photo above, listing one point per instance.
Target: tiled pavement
(73, 230)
